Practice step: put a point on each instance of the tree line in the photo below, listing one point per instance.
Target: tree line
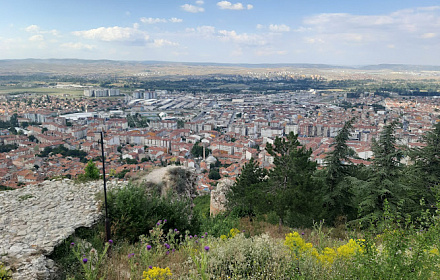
(298, 193)
(65, 152)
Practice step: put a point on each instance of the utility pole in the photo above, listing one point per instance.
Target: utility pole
(107, 220)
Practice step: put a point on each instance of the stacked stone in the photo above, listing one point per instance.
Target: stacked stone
(35, 219)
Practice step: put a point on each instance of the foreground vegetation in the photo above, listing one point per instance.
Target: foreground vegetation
(375, 222)
(389, 249)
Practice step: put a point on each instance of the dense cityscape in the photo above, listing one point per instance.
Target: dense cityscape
(54, 136)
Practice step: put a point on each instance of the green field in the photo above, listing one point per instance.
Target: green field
(59, 92)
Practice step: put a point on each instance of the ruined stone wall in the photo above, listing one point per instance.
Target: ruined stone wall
(35, 219)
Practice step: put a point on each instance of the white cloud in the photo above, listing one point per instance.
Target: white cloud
(53, 32)
(428, 35)
(200, 2)
(335, 19)
(269, 52)
(36, 29)
(204, 30)
(276, 28)
(116, 33)
(210, 32)
(36, 38)
(312, 40)
(302, 29)
(163, 42)
(279, 28)
(192, 9)
(226, 5)
(78, 46)
(244, 38)
(249, 6)
(402, 26)
(32, 28)
(159, 20)
(152, 20)
(175, 20)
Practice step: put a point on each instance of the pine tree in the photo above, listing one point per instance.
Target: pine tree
(91, 172)
(292, 191)
(338, 193)
(246, 197)
(338, 160)
(385, 181)
(425, 173)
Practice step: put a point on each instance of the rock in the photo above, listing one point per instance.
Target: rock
(218, 196)
(31, 228)
(177, 178)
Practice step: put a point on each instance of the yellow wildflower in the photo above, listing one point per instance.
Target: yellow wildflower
(233, 232)
(434, 251)
(350, 249)
(296, 244)
(328, 255)
(157, 273)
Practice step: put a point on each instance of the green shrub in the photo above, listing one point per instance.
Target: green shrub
(259, 257)
(5, 188)
(133, 212)
(219, 225)
(214, 175)
(91, 173)
(5, 274)
(202, 206)
(65, 257)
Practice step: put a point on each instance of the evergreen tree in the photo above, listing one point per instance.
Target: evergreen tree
(425, 173)
(247, 196)
(385, 181)
(214, 175)
(91, 172)
(197, 150)
(338, 193)
(292, 190)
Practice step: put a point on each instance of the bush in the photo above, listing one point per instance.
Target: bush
(133, 212)
(219, 225)
(214, 175)
(5, 274)
(91, 173)
(202, 206)
(65, 257)
(259, 257)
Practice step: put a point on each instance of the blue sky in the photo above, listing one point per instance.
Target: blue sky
(340, 32)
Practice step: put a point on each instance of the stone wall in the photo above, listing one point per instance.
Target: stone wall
(35, 219)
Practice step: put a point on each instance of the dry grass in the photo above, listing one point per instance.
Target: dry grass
(255, 227)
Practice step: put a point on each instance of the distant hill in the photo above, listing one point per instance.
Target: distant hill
(73, 61)
(400, 67)
(80, 67)
(165, 63)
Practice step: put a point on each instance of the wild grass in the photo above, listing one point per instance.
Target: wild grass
(259, 250)
(197, 246)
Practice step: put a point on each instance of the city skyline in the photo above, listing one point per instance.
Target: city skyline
(255, 31)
